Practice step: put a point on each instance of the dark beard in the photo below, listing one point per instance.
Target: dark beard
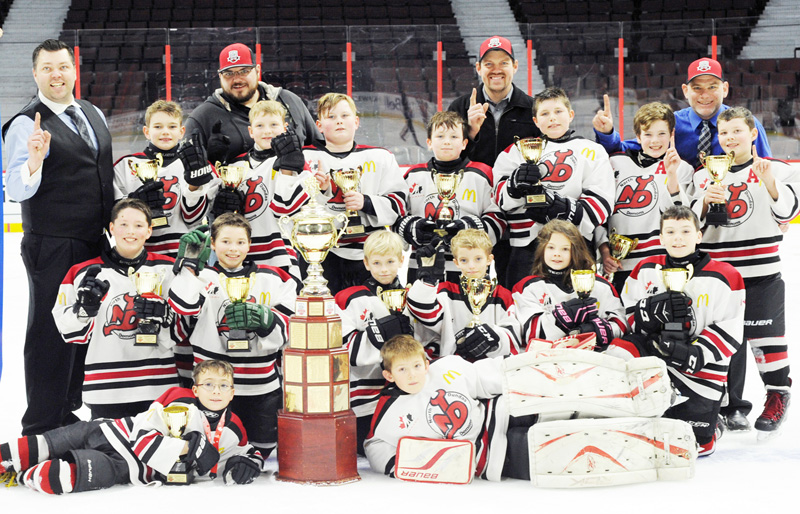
(243, 101)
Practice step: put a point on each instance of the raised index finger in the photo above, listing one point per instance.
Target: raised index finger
(606, 105)
(473, 97)
(672, 140)
(37, 122)
(755, 153)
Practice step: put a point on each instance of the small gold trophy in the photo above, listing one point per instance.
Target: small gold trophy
(176, 417)
(583, 281)
(620, 247)
(232, 176)
(348, 180)
(446, 185)
(238, 290)
(148, 285)
(675, 280)
(531, 149)
(478, 291)
(393, 299)
(717, 167)
(147, 171)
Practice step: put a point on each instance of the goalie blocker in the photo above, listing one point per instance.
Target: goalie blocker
(444, 461)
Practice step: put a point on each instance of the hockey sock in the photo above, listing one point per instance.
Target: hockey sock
(26, 452)
(51, 476)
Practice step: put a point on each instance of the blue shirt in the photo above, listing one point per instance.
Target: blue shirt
(687, 133)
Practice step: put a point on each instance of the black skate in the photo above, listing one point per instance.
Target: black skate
(774, 413)
(736, 421)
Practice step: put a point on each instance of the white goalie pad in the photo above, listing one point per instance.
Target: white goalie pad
(445, 461)
(577, 342)
(563, 381)
(602, 452)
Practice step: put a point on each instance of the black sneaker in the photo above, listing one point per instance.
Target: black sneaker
(736, 421)
(774, 411)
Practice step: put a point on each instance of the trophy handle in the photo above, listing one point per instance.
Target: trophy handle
(690, 269)
(282, 221)
(343, 218)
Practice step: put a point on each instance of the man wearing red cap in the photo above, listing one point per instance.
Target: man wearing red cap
(695, 126)
(222, 120)
(497, 111)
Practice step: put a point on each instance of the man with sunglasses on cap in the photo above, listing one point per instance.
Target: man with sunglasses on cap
(221, 121)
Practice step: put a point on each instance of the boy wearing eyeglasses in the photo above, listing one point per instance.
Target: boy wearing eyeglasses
(98, 454)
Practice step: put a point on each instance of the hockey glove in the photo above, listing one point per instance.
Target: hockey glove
(652, 312)
(194, 250)
(201, 454)
(196, 169)
(241, 470)
(602, 329)
(416, 231)
(522, 180)
(430, 260)
(228, 200)
(572, 313)
(476, 342)
(90, 293)
(250, 316)
(455, 226)
(687, 357)
(153, 309)
(288, 148)
(379, 331)
(151, 193)
(218, 144)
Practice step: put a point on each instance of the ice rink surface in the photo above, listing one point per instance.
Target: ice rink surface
(742, 476)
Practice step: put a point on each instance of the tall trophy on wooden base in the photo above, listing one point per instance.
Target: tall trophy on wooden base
(316, 427)
(446, 185)
(232, 176)
(147, 171)
(148, 285)
(675, 280)
(531, 149)
(238, 290)
(717, 167)
(176, 417)
(478, 291)
(348, 180)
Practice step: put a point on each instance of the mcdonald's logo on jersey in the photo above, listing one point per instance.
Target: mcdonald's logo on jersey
(469, 195)
(62, 299)
(588, 153)
(450, 376)
(702, 299)
(368, 167)
(265, 298)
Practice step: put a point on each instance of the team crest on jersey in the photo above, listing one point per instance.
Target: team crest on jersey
(637, 196)
(448, 413)
(121, 320)
(561, 165)
(433, 207)
(255, 197)
(740, 204)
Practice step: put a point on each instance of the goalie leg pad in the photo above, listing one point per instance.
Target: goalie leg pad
(602, 452)
(446, 461)
(562, 381)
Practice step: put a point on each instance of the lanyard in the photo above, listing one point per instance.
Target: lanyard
(216, 436)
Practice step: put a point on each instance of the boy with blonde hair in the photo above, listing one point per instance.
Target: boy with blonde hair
(367, 323)
(471, 205)
(183, 180)
(444, 307)
(380, 197)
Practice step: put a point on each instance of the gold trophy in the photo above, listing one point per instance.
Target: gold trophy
(531, 150)
(238, 290)
(675, 280)
(717, 167)
(583, 281)
(478, 291)
(232, 176)
(620, 247)
(313, 233)
(147, 171)
(176, 417)
(347, 180)
(393, 299)
(148, 285)
(446, 185)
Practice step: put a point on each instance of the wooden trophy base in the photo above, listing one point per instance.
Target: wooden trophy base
(317, 449)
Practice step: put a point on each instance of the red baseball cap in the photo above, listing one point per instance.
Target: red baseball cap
(496, 43)
(234, 56)
(704, 66)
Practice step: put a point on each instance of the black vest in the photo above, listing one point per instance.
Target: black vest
(76, 193)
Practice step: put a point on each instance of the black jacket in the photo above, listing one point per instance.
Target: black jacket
(517, 120)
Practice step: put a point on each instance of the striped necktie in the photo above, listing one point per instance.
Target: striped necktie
(704, 143)
(83, 130)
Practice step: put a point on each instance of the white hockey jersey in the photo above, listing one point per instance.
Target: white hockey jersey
(204, 299)
(444, 311)
(535, 297)
(382, 181)
(577, 169)
(717, 293)
(116, 371)
(751, 239)
(184, 209)
(451, 405)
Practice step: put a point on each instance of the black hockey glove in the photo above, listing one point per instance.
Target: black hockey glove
(194, 250)
(228, 200)
(218, 144)
(416, 231)
(430, 260)
(572, 313)
(523, 178)
(196, 169)
(250, 316)
(602, 329)
(687, 357)
(455, 226)
(90, 293)
(240, 470)
(652, 312)
(153, 309)
(201, 454)
(288, 148)
(151, 193)
(476, 342)
(381, 330)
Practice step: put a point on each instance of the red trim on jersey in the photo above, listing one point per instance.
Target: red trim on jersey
(743, 253)
(147, 372)
(254, 371)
